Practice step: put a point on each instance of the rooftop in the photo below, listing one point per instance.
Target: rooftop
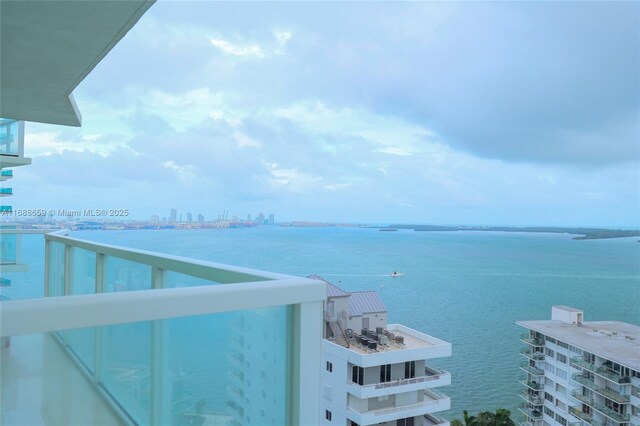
(613, 340)
(365, 302)
(410, 342)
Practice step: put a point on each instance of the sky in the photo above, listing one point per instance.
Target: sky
(500, 113)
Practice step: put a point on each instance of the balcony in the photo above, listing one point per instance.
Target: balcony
(527, 338)
(433, 420)
(602, 371)
(606, 392)
(432, 402)
(432, 378)
(611, 414)
(532, 385)
(530, 412)
(151, 335)
(532, 355)
(6, 174)
(575, 412)
(531, 398)
(6, 192)
(534, 371)
(12, 144)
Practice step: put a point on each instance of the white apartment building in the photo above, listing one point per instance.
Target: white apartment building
(580, 373)
(375, 373)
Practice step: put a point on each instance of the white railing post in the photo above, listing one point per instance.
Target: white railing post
(47, 266)
(160, 375)
(99, 332)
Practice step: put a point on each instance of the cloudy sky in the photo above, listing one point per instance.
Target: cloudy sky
(442, 113)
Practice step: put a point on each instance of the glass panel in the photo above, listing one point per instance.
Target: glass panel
(126, 367)
(56, 269)
(82, 342)
(175, 279)
(83, 271)
(9, 133)
(228, 367)
(124, 275)
(8, 248)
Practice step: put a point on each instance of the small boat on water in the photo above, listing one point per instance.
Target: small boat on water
(397, 274)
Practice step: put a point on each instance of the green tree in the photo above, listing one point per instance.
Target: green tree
(501, 417)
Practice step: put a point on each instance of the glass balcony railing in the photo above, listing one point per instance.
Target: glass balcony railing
(154, 334)
(527, 338)
(11, 137)
(531, 412)
(534, 371)
(532, 384)
(531, 397)
(613, 415)
(6, 191)
(588, 418)
(533, 355)
(606, 392)
(614, 376)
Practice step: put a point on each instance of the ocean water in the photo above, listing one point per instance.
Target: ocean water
(467, 288)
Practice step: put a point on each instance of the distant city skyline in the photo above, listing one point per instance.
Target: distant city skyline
(430, 113)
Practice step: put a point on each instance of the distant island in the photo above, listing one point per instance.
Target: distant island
(582, 233)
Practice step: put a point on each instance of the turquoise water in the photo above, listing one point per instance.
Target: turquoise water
(467, 288)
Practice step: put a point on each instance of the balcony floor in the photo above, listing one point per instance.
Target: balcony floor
(37, 379)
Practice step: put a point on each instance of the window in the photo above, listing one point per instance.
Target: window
(548, 352)
(383, 398)
(385, 373)
(561, 373)
(548, 382)
(549, 412)
(357, 375)
(548, 397)
(327, 415)
(561, 420)
(329, 367)
(409, 421)
(561, 389)
(409, 369)
(561, 358)
(563, 344)
(550, 368)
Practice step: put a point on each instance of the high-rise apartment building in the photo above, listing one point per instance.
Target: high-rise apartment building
(580, 373)
(374, 373)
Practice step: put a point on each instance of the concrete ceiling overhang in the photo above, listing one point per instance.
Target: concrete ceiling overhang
(48, 47)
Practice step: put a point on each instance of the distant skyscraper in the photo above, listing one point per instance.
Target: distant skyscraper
(155, 219)
(200, 219)
(272, 219)
(260, 218)
(174, 216)
(248, 218)
(189, 217)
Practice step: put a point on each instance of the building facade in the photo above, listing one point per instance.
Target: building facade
(376, 373)
(580, 373)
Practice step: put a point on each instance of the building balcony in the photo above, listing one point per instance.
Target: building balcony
(6, 175)
(431, 379)
(531, 398)
(433, 420)
(531, 412)
(608, 412)
(602, 371)
(149, 336)
(534, 371)
(606, 392)
(6, 192)
(432, 402)
(588, 418)
(532, 355)
(526, 338)
(533, 385)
